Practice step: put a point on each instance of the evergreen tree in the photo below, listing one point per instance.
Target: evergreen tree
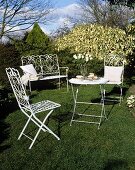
(35, 43)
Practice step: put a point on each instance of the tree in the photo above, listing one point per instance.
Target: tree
(104, 13)
(129, 3)
(9, 57)
(97, 40)
(61, 31)
(22, 14)
(34, 43)
(92, 11)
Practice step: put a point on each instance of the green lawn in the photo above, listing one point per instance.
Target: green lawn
(82, 146)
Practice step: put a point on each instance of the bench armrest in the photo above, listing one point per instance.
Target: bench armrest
(66, 68)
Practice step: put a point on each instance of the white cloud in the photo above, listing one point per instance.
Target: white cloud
(44, 29)
(69, 10)
(62, 16)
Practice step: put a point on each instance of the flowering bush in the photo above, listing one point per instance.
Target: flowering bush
(97, 40)
(131, 101)
(82, 62)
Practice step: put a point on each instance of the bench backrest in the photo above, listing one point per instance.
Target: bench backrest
(44, 64)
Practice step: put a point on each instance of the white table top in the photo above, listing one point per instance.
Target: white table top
(100, 80)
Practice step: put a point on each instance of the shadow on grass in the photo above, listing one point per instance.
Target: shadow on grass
(62, 120)
(4, 134)
(107, 103)
(43, 84)
(63, 116)
(116, 165)
(116, 91)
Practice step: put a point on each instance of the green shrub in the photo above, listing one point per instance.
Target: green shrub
(66, 59)
(36, 42)
(9, 57)
(130, 67)
(96, 40)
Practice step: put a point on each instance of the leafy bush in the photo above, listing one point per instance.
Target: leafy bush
(97, 40)
(36, 42)
(9, 57)
(66, 59)
(130, 67)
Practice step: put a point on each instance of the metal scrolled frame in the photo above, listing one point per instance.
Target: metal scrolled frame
(30, 110)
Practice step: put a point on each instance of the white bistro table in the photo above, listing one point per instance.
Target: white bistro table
(100, 82)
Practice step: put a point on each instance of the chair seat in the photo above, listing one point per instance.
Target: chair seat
(51, 77)
(43, 106)
(114, 82)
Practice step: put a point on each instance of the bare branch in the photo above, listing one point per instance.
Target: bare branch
(16, 13)
(100, 11)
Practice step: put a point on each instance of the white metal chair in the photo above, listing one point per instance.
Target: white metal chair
(30, 110)
(114, 71)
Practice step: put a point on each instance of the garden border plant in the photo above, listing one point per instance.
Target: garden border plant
(97, 41)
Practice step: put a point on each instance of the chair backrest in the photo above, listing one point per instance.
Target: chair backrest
(50, 64)
(114, 60)
(44, 64)
(34, 60)
(18, 89)
(114, 68)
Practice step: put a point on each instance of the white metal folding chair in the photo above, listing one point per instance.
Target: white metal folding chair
(30, 110)
(114, 71)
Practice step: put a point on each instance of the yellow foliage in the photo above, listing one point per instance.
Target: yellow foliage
(97, 40)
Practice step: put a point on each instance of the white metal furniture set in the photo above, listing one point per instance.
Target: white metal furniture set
(48, 65)
(113, 75)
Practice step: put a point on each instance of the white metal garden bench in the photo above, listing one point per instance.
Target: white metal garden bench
(46, 66)
(31, 110)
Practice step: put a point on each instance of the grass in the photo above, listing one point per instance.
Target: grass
(82, 146)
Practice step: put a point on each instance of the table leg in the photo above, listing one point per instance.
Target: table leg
(75, 94)
(102, 114)
(102, 89)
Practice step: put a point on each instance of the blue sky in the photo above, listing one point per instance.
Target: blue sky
(62, 3)
(63, 10)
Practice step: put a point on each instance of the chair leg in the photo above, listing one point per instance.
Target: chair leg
(41, 128)
(24, 128)
(120, 95)
(30, 86)
(67, 85)
(59, 83)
